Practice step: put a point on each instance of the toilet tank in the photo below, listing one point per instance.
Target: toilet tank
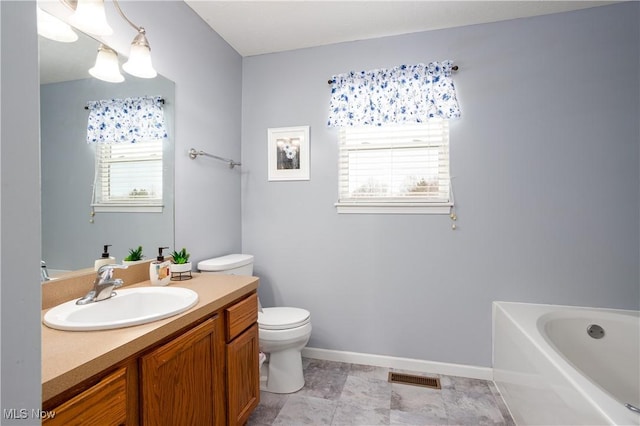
(231, 264)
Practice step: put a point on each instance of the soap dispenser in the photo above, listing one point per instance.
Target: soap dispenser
(159, 272)
(105, 259)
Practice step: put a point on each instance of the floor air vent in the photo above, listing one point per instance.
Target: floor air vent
(410, 379)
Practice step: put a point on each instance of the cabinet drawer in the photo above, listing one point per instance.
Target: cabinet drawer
(102, 404)
(241, 316)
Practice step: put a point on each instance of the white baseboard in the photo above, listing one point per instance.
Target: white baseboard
(418, 365)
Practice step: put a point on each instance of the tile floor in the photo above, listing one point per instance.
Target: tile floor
(351, 394)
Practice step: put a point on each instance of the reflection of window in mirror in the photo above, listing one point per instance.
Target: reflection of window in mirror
(128, 177)
(128, 136)
(72, 235)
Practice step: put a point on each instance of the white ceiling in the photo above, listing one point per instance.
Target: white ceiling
(259, 27)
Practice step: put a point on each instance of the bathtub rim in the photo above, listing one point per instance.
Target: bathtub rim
(528, 314)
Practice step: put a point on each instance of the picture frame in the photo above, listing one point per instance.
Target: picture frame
(288, 153)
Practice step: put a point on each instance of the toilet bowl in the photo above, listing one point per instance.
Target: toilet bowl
(282, 331)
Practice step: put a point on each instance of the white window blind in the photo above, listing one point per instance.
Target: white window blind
(128, 177)
(395, 169)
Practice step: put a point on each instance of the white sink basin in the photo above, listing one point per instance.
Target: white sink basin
(128, 307)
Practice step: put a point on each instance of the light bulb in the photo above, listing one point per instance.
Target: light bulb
(139, 63)
(53, 28)
(90, 18)
(107, 66)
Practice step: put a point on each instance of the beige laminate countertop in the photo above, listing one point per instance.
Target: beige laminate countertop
(70, 357)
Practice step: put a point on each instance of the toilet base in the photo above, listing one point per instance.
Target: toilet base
(283, 372)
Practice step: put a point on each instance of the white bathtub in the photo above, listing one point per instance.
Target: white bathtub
(550, 371)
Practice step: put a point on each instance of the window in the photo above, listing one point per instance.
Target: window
(128, 177)
(395, 169)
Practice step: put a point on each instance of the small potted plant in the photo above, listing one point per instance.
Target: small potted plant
(135, 255)
(180, 263)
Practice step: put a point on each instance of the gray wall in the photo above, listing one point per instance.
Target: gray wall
(207, 196)
(546, 173)
(69, 240)
(19, 209)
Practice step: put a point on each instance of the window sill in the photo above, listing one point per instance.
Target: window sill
(127, 208)
(393, 208)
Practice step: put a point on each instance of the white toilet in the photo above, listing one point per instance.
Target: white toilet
(283, 332)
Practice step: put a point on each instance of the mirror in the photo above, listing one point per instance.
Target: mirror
(71, 237)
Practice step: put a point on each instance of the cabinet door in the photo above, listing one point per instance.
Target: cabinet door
(243, 377)
(178, 380)
(105, 403)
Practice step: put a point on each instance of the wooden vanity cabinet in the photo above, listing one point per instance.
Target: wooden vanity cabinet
(243, 375)
(206, 375)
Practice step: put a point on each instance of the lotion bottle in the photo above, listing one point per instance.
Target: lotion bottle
(105, 259)
(159, 272)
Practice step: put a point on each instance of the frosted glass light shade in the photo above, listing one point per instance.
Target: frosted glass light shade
(139, 63)
(53, 28)
(90, 18)
(107, 67)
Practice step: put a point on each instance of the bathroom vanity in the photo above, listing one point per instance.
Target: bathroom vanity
(198, 367)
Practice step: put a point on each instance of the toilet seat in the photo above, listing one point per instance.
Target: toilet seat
(282, 318)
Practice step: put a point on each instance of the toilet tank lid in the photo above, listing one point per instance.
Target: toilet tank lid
(224, 263)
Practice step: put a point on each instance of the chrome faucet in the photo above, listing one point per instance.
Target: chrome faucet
(44, 273)
(103, 285)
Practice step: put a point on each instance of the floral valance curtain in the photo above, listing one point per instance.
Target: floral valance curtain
(403, 94)
(127, 120)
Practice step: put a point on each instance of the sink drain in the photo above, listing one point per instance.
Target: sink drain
(595, 331)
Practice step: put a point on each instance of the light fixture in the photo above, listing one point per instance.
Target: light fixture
(90, 18)
(107, 67)
(139, 63)
(53, 28)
